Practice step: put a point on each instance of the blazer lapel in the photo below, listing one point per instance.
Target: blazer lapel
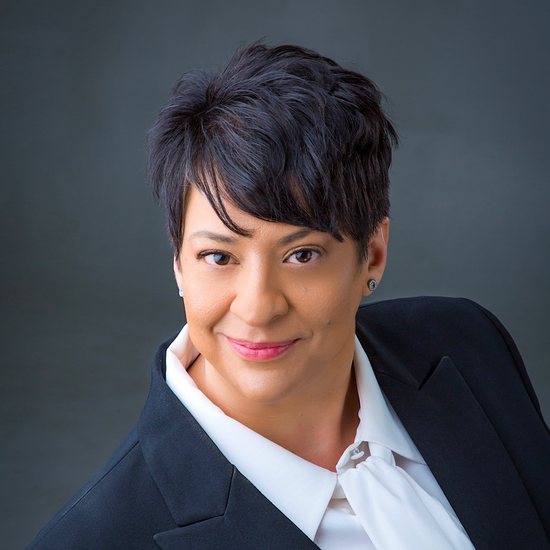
(249, 521)
(458, 442)
(213, 504)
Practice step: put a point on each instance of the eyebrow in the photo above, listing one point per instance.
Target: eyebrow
(295, 236)
(214, 237)
(231, 240)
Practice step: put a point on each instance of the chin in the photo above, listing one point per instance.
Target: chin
(264, 388)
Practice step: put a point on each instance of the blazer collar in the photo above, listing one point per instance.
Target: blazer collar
(172, 440)
(214, 505)
(457, 440)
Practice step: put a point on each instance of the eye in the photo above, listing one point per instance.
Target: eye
(303, 256)
(215, 258)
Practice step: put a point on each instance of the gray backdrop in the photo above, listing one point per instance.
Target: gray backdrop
(87, 288)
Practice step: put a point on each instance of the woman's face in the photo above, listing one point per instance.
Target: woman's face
(273, 313)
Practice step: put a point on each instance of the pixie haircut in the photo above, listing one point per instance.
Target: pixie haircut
(282, 133)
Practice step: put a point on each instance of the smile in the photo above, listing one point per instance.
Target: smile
(260, 351)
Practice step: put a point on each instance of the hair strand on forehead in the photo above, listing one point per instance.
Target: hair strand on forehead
(282, 133)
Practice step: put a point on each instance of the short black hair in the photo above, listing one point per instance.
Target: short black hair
(282, 133)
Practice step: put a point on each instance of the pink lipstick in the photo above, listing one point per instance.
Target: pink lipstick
(260, 351)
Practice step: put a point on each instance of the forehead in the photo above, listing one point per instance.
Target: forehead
(201, 221)
(200, 215)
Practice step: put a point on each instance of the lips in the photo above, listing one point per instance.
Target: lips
(260, 351)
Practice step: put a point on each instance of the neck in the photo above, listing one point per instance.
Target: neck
(321, 432)
(317, 427)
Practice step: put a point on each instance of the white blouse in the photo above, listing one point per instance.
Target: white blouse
(310, 496)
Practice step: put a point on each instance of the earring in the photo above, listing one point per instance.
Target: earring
(181, 292)
(373, 285)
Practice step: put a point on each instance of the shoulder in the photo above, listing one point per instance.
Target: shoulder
(434, 327)
(119, 505)
(433, 321)
(439, 326)
(407, 312)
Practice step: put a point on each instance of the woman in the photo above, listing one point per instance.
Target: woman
(284, 415)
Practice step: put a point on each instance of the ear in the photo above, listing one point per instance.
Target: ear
(177, 273)
(377, 255)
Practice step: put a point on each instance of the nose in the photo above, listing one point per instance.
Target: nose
(259, 297)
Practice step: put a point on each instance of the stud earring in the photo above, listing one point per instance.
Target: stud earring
(181, 292)
(373, 285)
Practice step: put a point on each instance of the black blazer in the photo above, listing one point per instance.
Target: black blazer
(453, 376)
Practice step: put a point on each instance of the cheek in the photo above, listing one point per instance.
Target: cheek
(331, 303)
(205, 309)
(203, 314)
(206, 297)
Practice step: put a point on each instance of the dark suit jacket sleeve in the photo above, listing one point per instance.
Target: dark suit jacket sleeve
(120, 508)
(514, 352)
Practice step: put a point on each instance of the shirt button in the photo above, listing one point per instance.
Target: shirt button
(356, 454)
